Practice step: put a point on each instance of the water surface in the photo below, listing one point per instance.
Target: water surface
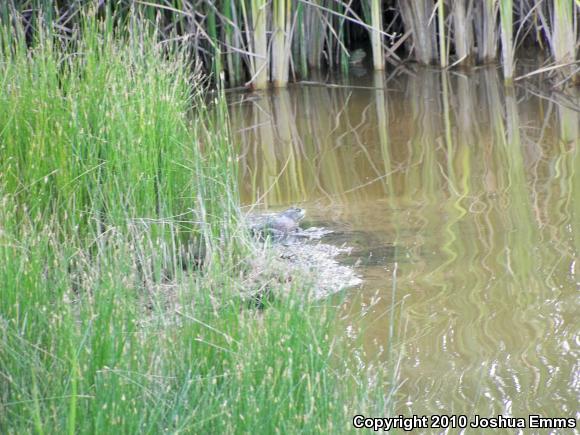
(461, 200)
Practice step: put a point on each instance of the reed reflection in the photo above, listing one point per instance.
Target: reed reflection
(479, 187)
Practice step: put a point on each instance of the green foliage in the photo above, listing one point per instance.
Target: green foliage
(116, 173)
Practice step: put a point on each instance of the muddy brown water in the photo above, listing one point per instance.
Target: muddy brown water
(461, 200)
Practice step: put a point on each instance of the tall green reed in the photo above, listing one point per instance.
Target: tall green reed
(69, 114)
(249, 38)
(115, 165)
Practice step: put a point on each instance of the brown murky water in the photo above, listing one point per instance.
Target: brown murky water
(462, 203)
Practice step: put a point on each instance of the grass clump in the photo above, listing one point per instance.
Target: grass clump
(120, 244)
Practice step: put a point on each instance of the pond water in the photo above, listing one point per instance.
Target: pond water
(461, 200)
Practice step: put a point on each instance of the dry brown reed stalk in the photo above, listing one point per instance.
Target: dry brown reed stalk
(262, 41)
(462, 13)
(260, 44)
(507, 41)
(376, 37)
(418, 16)
(564, 28)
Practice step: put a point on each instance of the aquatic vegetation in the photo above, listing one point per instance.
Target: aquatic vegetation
(255, 41)
(123, 257)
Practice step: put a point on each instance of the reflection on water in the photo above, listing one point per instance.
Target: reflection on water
(469, 194)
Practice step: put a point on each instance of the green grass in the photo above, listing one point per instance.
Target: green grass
(109, 183)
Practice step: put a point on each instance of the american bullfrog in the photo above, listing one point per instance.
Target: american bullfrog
(357, 56)
(278, 226)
